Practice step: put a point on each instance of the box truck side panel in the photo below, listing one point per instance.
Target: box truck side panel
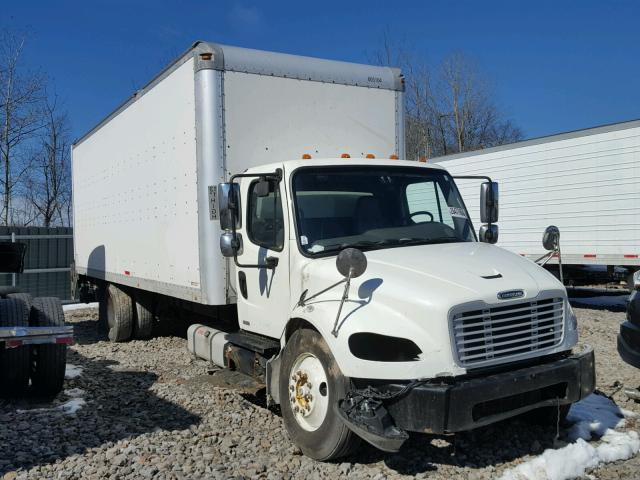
(586, 185)
(135, 205)
(285, 117)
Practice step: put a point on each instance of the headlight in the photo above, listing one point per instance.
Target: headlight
(572, 321)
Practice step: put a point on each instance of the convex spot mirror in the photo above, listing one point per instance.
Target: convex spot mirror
(229, 205)
(489, 233)
(489, 202)
(231, 244)
(351, 262)
(551, 238)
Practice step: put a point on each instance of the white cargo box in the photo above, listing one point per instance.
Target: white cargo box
(587, 183)
(144, 179)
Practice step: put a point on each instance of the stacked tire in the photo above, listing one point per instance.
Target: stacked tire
(123, 317)
(40, 368)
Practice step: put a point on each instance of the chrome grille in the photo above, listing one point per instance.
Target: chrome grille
(495, 334)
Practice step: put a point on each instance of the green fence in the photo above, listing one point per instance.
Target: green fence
(47, 260)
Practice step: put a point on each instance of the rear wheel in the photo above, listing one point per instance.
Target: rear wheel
(25, 298)
(118, 310)
(310, 386)
(14, 362)
(48, 362)
(144, 317)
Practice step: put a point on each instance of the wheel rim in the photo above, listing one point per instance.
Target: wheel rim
(308, 392)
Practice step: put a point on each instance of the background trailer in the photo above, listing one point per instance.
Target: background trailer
(585, 182)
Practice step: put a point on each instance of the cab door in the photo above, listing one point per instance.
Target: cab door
(263, 292)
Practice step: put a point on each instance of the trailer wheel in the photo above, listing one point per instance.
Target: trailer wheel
(310, 386)
(25, 298)
(119, 314)
(49, 361)
(14, 362)
(144, 318)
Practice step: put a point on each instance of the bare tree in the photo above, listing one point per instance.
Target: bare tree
(449, 109)
(20, 116)
(49, 181)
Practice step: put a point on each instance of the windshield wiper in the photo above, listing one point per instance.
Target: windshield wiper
(373, 245)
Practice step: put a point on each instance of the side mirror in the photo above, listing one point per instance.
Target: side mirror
(262, 188)
(489, 233)
(489, 202)
(551, 238)
(231, 244)
(351, 263)
(229, 205)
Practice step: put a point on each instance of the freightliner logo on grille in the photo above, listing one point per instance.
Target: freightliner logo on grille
(509, 294)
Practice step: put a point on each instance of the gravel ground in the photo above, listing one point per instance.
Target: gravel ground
(152, 411)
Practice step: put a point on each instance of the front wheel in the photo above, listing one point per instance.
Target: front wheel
(310, 386)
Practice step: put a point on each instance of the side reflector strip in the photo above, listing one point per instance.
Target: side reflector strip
(630, 255)
(589, 255)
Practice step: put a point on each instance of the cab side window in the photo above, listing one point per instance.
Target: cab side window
(265, 223)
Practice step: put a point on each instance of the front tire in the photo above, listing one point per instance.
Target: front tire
(311, 384)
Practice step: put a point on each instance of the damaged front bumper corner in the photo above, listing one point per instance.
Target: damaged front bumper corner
(382, 415)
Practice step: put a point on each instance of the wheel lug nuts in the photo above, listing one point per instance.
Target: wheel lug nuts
(291, 388)
(309, 385)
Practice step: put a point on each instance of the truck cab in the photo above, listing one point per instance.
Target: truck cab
(391, 315)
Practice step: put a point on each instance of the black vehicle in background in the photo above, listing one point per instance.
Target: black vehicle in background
(33, 336)
(629, 336)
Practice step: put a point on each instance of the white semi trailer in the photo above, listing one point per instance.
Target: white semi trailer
(239, 191)
(584, 182)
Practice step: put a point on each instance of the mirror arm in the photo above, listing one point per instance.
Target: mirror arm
(345, 296)
(277, 175)
(270, 264)
(304, 299)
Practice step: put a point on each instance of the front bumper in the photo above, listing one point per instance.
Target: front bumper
(469, 403)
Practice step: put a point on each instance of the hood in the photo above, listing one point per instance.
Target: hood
(445, 274)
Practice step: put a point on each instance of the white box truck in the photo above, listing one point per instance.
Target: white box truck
(584, 182)
(259, 194)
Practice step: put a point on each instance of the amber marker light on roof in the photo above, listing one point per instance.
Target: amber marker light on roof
(393, 157)
(423, 159)
(370, 155)
(306, 156)
(345, 155)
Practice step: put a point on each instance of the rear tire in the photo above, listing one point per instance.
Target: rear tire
(144, 318)
(14, 362)
(119, 314)
(25, 298)
(49, 361)
(321, 437)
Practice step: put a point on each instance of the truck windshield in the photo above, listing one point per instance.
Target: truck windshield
(377, 207)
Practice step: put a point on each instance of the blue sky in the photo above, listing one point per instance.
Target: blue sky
(555, 65)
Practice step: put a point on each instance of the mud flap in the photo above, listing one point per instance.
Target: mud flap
(370, 420)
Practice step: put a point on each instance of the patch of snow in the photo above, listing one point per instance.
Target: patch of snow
(72, 406)
(78, 306)
(597, 416)
(72, 371)
(74, 392)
